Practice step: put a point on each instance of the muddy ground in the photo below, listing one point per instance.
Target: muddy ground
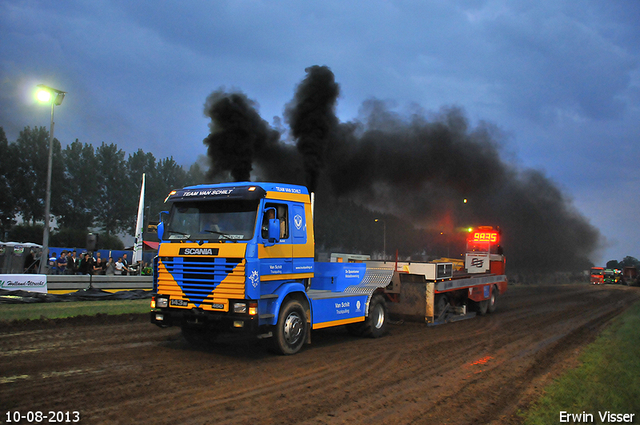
(122, 369)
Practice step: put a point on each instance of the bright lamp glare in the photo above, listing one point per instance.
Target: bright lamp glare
(43, 95)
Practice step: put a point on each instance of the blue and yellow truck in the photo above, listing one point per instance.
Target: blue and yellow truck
(240, 257)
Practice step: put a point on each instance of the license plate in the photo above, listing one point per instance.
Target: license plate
(180, 303)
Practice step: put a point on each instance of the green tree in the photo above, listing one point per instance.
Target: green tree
(27, 233)
(117, 199)
(80, 187)
(629, 261)
(172, 176)
(613, 264)
(30, 156)
(75, 237)
(106, 241)
(7, 200)
(196, 173)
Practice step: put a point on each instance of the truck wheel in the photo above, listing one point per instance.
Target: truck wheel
(199, 337)
(493, 299)
(375, 325)
(291, 329)
(481, 307)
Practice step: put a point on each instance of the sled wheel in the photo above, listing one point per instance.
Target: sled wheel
(481, 307)
(493, 299)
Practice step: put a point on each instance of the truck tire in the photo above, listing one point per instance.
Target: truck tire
(481, 307)
(375, 325)
(199, 337)
(493, 300)
(291, 330)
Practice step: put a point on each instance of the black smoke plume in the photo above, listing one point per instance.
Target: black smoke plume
(311, 115)
(414, 168)
(423, 170)
(236, 132)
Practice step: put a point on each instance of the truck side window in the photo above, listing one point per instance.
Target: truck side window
(282, 215)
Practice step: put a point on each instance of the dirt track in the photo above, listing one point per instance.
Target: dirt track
(122, 370)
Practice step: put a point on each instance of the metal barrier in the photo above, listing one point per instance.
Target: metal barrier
(67, 283)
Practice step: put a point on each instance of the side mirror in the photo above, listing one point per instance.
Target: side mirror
(161, 224)
(273, 232)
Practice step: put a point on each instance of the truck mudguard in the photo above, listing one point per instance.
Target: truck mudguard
(273, 308)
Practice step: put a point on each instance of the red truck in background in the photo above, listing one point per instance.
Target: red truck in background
(597, 275)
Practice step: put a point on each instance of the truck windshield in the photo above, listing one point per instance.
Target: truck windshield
(212, 220)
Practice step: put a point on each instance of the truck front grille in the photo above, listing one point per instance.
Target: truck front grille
(202, 279)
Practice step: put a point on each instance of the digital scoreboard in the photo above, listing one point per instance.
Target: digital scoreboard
(490, 236)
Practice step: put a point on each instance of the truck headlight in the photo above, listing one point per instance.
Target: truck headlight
(162, 302)
(239, 307)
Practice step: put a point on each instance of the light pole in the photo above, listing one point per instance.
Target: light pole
(384, 237)
(55, 96)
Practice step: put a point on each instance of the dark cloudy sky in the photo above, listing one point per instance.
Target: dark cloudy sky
(560, 79)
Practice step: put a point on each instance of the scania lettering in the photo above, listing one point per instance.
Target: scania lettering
(198, 251)
(240, 257)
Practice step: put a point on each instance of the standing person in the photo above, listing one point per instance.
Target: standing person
(120, 268)
(62, 263)
(137, 268)
(29, 262)
(53, 264)
(73, 263)
(91, 260)
(125, 261)
(85, 264)
(97, 266)
(111, 267)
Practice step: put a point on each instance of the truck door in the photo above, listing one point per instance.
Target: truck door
(277, 259)
(303, 248)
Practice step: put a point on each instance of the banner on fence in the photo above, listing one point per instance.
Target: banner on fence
(24, 282)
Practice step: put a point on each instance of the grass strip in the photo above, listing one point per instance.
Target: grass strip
(606, 381)
(9, 312)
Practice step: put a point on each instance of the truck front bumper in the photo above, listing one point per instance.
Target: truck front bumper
(220, 321)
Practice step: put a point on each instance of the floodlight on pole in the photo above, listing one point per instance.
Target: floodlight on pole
(48, 94)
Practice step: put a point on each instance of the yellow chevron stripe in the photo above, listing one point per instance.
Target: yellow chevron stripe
(226, 250)
(338, 322)
(285, 276)
(296, 197)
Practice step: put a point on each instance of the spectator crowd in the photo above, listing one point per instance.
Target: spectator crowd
(88, 263)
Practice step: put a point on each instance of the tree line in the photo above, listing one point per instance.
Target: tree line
(627, 261)
(91, 187)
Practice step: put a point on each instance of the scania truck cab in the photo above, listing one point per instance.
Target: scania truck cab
(240, 256)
